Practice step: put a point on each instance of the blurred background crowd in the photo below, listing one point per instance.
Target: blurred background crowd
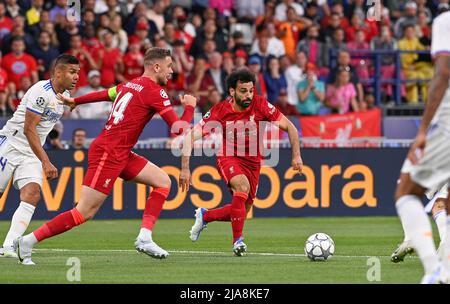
(304, 52)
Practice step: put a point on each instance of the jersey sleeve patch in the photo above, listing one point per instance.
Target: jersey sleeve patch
(163, 94)
(37, 105)
(166, 103)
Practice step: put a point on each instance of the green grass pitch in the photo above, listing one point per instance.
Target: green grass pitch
(275, 246)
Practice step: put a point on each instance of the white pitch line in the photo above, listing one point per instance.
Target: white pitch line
(208, 253)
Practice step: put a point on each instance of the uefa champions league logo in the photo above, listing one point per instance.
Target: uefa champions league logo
(374, 12)
(73, 12)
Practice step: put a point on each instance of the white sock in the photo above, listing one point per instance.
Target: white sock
(145, 235)
(29, 240)
(440, 218)
(19, 223)
(418, 227)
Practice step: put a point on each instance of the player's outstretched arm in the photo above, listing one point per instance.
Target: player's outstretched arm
(29, 130)
(191, 136)
(179, 125)
(437, 89)
(286, 125)
(103, 95)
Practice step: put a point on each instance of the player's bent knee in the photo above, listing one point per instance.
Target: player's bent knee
(31, 196)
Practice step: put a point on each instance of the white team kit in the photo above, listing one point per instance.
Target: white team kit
(17, 159)
(433, 169)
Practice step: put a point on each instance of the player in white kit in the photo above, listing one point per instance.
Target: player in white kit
(22, 157)
(437, 207)
(428, 163)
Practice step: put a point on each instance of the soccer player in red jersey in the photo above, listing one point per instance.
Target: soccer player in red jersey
(110, 155)
(240, 118)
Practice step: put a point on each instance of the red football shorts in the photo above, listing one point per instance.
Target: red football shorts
(231, 166)
(104, 168)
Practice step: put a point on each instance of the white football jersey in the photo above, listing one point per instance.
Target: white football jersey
(39, 99)
(440, 46)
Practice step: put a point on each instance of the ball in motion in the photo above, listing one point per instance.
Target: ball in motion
(319, 247)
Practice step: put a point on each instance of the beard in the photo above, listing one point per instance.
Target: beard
(243, 103)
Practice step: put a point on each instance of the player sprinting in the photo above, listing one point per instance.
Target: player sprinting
(428, 163)
(437, 207)
(21, 154)
(110, 155)
(240, 172)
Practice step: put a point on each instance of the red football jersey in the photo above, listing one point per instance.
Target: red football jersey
(135, 104)
(242, 132)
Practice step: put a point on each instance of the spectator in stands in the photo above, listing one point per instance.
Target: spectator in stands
(110, 62)
(97, 110)
(315, 50)
(6, 23)
(64, 31)
(333, 24)
(216, 76)
(134, 60)
(15, 96)
(213, 99)
(183, 64)
(370, 29)
(184, 31)
(343, 63)
(294, 74)
(140, 15)
(413, 66)
(236, 42)
(360, 60)
(289, 31)
(341, 95)
(196, 86)
(337, 42)
(240, 59)
(90, 41)
(156, 14)
(284, 106)
(18, 31)
(313, 13)
(422, 8)
(86, 60)
(78, 139)
(33, 15)
(281, 9)
(58, 12)
(228, 62)
(13, 9)
(274, 79)
(223, 7)
(386, 42)
(410, 18)
(120, 37)
(254, 64)
(247, 11)
(5, 110)
(262, 51)
(19, 64)
(311, 92)
(53, 140)
(44, 54)
(209, 31)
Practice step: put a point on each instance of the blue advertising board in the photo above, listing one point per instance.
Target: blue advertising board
(335, 182)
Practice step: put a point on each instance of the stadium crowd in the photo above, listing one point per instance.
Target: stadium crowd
(300, 50)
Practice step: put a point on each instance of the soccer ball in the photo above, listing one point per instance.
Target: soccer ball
(319, 247)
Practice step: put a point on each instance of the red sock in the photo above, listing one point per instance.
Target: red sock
(153, 207)
(59, 224)
(220, 214)
(238, 214)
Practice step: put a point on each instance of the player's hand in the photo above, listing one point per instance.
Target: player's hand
(297, 164)
(50, 171)
(188, 100)
(68, 101)
(185, 180)
(416, 150)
